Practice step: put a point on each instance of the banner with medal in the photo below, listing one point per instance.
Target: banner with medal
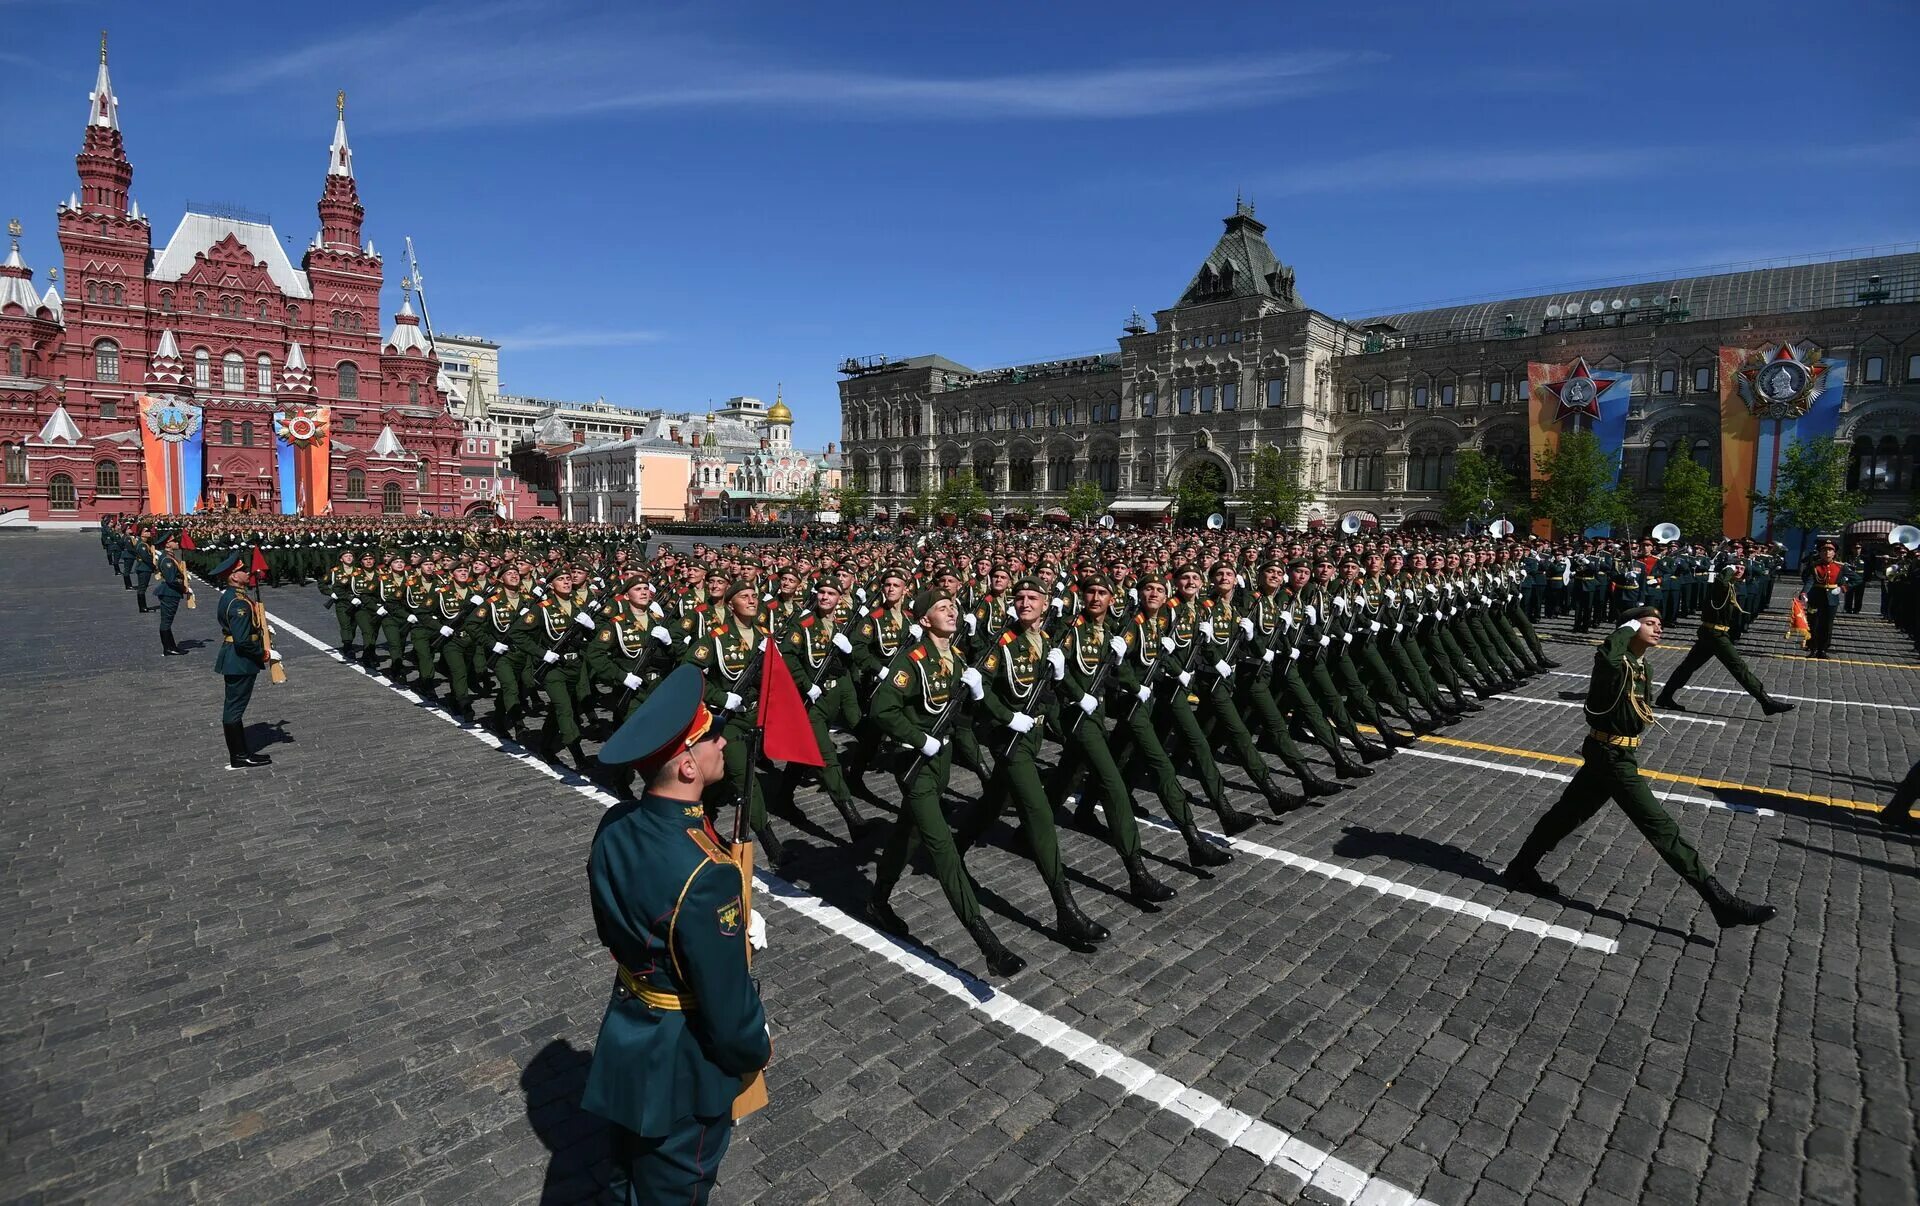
(302, 455)
(1770, 398)
(172, 445)
(1570, 397)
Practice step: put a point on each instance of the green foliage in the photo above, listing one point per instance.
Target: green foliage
(1278, 492)
(1477, 477)
(803, 504)
(1200, 492)
(1577, 487)
(1810, 490)
(961, 495)
(851, 499)
(1689, 498)
(1085, 501)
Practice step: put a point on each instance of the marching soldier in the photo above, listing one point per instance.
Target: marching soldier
(817, 649)
(723, 657)
(1712, 641)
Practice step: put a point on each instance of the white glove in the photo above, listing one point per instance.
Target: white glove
(631, 682)
(930, 747)
(970, 678)
(1452, 612)
(1340, 602)
(273, 655)
(916, 630)
(1393, 596)
(1313, 614)
(499, 647)
(379, 611)
(1222, 669)
(549, 657)
(1631, 626)
(841, 642)
(446, 631)
(1144, 694)
(814, 693)
(1399, 627)
(584, 619)
(1206, 629)
(1088, 703)
(1373, 626)
(757, 931)
(1119, 646)
(1325, 641)
(1267, 657)
(733, 702)
(1293, 655)
(1166, 643)
(660, 633)
(973, 623)
(1711, 576)
(1057, 658)
(1286, 621)
(1246, 626)
(1186, 678)
(1346, 638)
(356, 602)
(476, 600)
(1020, 722)
(413, 618)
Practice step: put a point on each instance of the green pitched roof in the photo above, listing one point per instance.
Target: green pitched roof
(1241, 265)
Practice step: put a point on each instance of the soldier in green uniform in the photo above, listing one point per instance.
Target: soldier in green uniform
(417, 592)
(924, 683)
(685, 1026)
(1712, 641)
(339, 588)
(632, 648)
(174, 587)
(503, 613)
(1618, 711)
(244, 653)
(816, 650)
(455, 612)
(723, 657)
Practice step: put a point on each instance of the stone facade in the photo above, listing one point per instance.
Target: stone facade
(1377, 408)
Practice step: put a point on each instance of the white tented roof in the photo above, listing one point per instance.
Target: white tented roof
(388, 445)
(59, 426)
(198, 232)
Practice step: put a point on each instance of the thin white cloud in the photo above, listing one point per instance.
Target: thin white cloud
(1388, 171)
(546, 337)
(512, 64)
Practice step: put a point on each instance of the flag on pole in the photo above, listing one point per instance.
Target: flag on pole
(259, 566)
(186, 541)
(786, 734)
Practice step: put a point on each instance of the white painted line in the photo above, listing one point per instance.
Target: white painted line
(1388, 887)
(1267, 1143)
(1532, 772)
(1820, 699)
(1565, 703)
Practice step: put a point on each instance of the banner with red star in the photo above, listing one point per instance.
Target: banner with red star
(1575, 396)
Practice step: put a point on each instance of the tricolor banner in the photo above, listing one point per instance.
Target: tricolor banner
(1770, 398)
(302, 448)
(172, 441)
(1570, 397)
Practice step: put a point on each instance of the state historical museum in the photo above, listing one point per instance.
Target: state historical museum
(210, 371)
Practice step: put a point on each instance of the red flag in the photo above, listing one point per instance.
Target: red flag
(186, 541)
(786, 735)
(259, 562)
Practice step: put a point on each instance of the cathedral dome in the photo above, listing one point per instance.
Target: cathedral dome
(778, 412)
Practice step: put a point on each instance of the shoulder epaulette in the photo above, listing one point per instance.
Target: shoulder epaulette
(700, 607)
(1207, 603)
(1079, 620)
(717, 630)
(806, 621)
(708, 846)
(918, 653)
(877, 613)
(1006, 638)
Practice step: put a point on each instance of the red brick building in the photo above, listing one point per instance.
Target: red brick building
(218, 318)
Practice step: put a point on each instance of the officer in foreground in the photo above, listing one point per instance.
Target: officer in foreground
(685, 1033)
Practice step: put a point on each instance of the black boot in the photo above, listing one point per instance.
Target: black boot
(1447, 720)
(1201, 852)
(578, 755)
(144, 609)
(1074, 926)
(1666, 700)
(169, 645)
(1279, 801)
(1369, 752)
(237, 756)
(1346, 768)
(1524, 878)
(1232, 820)
(1549, 663)
(1395, 739)
(1141, 883)
(1312, 783)
(1773, 707)
(1419, 727)
(770, 844)
(858, 826)
(1000, 960)
(1729, 910)
(880, 916)
(1464, 705)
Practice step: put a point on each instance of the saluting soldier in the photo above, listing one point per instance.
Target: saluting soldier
(684, 1029)
(1619, 709)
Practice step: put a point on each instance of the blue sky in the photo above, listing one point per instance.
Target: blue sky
(665, 204)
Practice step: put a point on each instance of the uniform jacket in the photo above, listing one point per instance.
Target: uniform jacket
(242, 647)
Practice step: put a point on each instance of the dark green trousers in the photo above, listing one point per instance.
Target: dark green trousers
(920, 825)
(1136, 743)
(678, 1167)
(1708, 646)
(1297, 699)
(1016, 780)
(343, 615)
(1085, 745)
(1611, 773)
(239, 691)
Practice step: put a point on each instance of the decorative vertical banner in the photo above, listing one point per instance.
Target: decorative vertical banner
(1770, 399)
(171, 445)
(1569, 397)
(302, 448)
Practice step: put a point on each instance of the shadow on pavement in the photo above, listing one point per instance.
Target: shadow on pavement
(576, 1141)
(1359, 842)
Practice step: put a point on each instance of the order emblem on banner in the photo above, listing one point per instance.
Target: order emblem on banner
(1778, 384)
(300, 427)
(173, 422)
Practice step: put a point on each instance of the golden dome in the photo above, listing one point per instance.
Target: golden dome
(778, 412)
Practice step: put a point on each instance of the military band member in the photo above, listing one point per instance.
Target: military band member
(1821, 586)
(175, 587)
(685, 1026)
(1618, 711)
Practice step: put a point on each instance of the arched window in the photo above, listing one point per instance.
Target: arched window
(349, 379)
(106, 360)
(261, 313)
(1703, 454)
(199, 303)
(1428, 467)
(202, 369)
(356, 485)
(390, 499)
(226, 431)
(119, 296)
(1363, 470)
(1657, 462)
(16, 361)
(246, 433)
(264, 364)
(233, 371)
(420, 478)
(60, 495)
(13, 460)
(413, 393)
(166, 301)
(106, 479)
(293, 315)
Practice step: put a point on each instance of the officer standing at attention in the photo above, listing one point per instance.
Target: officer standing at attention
(244, 652)
(174, 586)
(1821, 586)
(1618, 711)
(685, 1029)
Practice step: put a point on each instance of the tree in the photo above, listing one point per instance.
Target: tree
(1200, 492)
(1690, 500)
(1278, 492)
(851, 499)
(806, 502)
(962, 495)
(1810, 490)
(1477, 477)
(1084, 501)
(1578, 487)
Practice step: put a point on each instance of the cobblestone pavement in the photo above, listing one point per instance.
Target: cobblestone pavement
(368, 973)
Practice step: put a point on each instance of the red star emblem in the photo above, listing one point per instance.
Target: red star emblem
(1578, 392)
